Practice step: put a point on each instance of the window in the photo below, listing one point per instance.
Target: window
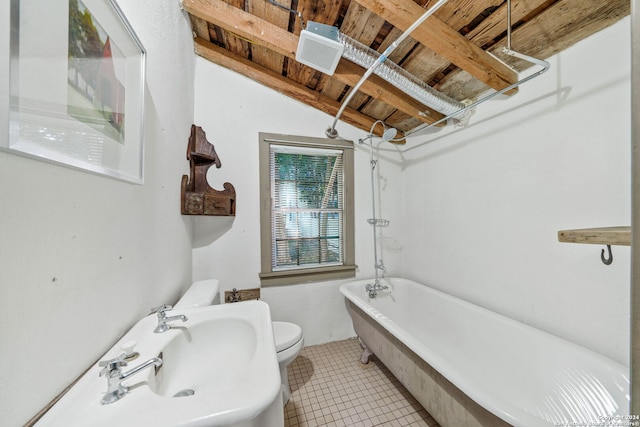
(306, 215)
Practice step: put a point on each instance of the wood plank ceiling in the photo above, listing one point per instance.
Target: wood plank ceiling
(456, 51)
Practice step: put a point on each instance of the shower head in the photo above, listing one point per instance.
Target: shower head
(389, 134)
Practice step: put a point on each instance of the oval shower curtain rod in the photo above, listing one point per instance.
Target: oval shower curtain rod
(331, 132)
(507, 51)
(544, 64)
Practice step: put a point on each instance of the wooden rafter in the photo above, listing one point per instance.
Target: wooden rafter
(276, 16)
(457, 51)
(442, 39)
(281, 84)
(561, 25)
(281, 41)
(551, 31)
(496, 24)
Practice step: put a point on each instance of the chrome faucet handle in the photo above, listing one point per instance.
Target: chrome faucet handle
(112, 364)
(161, 309)
(163, 319)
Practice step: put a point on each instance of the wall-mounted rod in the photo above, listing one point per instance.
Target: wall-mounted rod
(332, 132)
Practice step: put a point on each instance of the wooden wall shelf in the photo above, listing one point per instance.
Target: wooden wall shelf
(197, 197)
(597, 236)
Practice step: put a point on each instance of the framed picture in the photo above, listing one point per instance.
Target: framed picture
(73, 93)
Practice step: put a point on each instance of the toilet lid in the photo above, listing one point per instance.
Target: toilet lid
(286, 334)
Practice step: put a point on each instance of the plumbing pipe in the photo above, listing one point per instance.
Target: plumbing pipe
(387, 135)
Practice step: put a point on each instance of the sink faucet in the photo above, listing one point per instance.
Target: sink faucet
(163, 319)
(113, 371)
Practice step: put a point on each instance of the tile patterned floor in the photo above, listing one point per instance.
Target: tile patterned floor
(330, 387)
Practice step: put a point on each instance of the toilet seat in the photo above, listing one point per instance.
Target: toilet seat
(289, 342)
(286, 335)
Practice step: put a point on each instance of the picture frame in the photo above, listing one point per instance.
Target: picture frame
(73, 93)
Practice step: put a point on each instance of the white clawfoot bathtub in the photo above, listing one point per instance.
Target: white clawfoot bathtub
(469, 366)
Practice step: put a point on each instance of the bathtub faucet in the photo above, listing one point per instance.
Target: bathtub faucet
(373, 289)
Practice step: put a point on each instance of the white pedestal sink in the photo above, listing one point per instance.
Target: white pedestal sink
(219, 369)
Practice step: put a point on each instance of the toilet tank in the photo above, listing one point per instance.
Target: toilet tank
(200, 294)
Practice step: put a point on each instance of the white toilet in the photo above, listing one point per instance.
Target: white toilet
(288, 336)
(289, 342)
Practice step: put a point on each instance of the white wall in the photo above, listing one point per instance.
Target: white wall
(483, 205)
(474, 211)
(83, 257)
(232, 110)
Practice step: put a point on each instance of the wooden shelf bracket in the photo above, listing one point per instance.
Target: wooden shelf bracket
(599, 236)
(196, 196)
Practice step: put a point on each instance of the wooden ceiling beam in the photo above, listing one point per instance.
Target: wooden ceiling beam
(349, 73)
(277, 16)
(281, 41)
(278, 83)
(244, 24)
(494, 25)
(459, 84)
(553, 30)
(442, 39)
(560, 26)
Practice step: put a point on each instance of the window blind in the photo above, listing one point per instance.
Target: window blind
(307, 202)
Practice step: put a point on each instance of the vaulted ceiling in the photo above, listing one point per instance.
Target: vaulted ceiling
(457, 51)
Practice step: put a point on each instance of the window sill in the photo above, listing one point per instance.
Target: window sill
(306, 275)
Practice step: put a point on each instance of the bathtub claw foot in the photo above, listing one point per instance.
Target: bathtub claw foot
(366, 353)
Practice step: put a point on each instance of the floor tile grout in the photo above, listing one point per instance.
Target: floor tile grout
(330, 387)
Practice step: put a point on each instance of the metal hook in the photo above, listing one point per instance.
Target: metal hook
(608, 260)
